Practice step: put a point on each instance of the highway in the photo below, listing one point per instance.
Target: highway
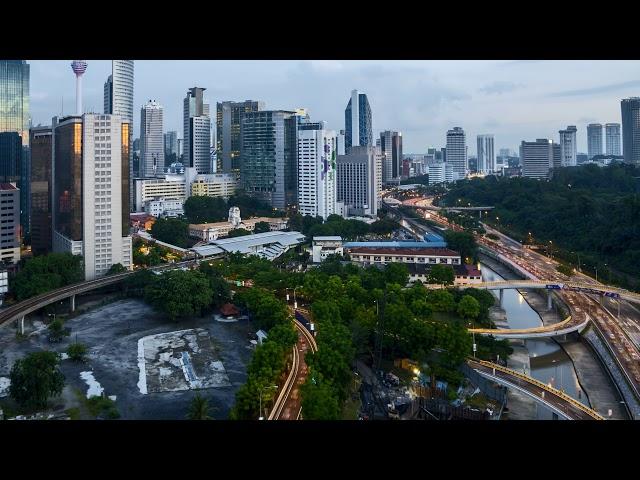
(620, 335)
(559, 402)
(288, 402)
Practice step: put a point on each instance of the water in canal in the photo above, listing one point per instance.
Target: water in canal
(549, 363)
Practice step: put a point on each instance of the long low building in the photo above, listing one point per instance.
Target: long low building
(463, 274)
(391, 254)
(208, 232)
(269, 245)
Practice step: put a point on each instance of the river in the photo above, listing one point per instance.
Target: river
(549, 362)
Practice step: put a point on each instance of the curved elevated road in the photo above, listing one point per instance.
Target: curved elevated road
(559, 402)
(19, 310)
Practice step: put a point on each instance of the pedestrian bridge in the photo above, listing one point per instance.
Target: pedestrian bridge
(559, 402)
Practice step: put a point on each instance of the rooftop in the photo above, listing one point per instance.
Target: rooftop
(396, 244)
(327, 239)
(439, 252)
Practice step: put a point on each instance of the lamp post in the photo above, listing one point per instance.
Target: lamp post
(295, 302)
(261, 390)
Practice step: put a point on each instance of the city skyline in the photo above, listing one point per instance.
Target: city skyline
(422, 99)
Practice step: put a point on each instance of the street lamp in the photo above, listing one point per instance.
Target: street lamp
(261, 390)
(295, 302)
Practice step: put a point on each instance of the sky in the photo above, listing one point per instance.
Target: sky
(514, 100)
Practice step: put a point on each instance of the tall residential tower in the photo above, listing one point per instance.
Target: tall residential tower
(631, 129)
(357, 121)
(151, 139)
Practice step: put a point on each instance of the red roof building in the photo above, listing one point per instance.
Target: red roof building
(229, 310)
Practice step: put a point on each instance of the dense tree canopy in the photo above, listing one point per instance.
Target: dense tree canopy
(171, 230)
(179, 293)
(204, 209)
(47, 272)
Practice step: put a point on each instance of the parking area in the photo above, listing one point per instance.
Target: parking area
(126, 338)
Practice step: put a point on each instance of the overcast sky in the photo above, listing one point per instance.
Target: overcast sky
(514, 100)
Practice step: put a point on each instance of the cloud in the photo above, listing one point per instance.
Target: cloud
(612, 87)
(499, 87)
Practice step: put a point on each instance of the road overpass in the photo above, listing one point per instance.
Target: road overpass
(559, 402)
(19, 310)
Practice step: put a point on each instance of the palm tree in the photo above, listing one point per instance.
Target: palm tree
(199, 409)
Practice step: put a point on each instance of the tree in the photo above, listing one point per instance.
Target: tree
(180, 293)
(565, 270)
(77, 352)
(116, 268)
(262, 227)
(204, 209)
(199, 408)
(35, 378)
(319, 402)
(170, 230)
(442, 274)
(441, 301)
(47, 272)
(396, 273)
(238, 232)
(468, 307)
(57, 330)
(464, 243)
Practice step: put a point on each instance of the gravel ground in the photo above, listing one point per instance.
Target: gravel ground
(111, 333)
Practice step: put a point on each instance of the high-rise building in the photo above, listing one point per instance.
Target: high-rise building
(171, 147)
(10, 227)
(91, 190)
(268, 151)
(486, 157)
(108, 95)
(612, 134)
(568, 147)
(594, 139)
(228, 120)
(357, 121)
(631, 129)
(15, 119)
(457, 152)
(357, 182)
(14, 98)
(197, 131)
(316, 169)
(151, 139)
(121, 103)
(537, 157)
(40, 144)
(391, 150)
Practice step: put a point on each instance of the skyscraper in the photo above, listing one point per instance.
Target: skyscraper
(151, 139)
(631, 129)
(268, 151)
(15, 119)
(90, 214)
(40, 143)
(612, 133)
(316, 169)
(228, 119)
(537, 157)
(171, 146)
(197, 131)
(14, 98)
(457, 152)
(391, 151)
(568, 147)
(486, 156)
(108, 95)
(357, 121)
(594, 139)
(358, 182)
(121, 103)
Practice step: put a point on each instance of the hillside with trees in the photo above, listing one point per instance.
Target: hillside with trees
(586, 211)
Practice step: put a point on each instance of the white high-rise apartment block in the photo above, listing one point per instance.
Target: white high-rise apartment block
(316, 169)
(197, 131)
(594, 139)
(486, 155)
(612, 133)
(90, 217)
(457, 152)
(568, 147)
(151, 140)
(436, 173)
